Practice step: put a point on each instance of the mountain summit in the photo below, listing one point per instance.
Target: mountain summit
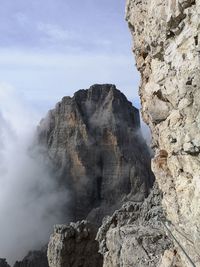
(94, 144)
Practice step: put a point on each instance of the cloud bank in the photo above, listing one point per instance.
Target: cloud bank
(29, 200)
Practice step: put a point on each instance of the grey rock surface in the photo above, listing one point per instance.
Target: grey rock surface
(74, 245)
(94, 143)
(134, 236)
(167, 45)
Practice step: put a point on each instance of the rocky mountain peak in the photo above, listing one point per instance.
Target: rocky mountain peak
(94, 144)
(94, 148)
(106, 96)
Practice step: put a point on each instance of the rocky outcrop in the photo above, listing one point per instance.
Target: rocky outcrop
(3, 263)
(167, 47)
(74, 245)
(134, 235)
(94, 143)
(34, 259)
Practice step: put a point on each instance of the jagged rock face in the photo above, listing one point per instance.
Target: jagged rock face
(94, 143)
(74, 245)
(34, 259)
(3, 263)
(167, 46)
(134, 235)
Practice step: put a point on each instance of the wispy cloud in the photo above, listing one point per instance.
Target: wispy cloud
(52, 48)
(21, 18)
(54, 32)
(74, 25)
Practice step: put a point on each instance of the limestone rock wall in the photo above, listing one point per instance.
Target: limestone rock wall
(166, 36)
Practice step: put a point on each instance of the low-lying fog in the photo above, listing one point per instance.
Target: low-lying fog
(29, 202)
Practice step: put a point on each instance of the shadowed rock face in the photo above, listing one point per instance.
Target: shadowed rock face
(34, 259)
(3, 263)
(94, 144)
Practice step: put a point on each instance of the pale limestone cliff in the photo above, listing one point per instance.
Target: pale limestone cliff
(167, 50)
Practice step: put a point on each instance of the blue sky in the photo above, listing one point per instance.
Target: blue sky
(51, 48)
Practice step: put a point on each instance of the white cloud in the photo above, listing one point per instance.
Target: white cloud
(54, 32)
(29, 201)
(68, 40)
(15, 109)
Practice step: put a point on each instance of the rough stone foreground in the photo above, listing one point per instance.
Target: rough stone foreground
(134, 236)
(167, 50)
(74, 245)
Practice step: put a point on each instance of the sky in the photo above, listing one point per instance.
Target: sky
(52, 48)
(49, 49)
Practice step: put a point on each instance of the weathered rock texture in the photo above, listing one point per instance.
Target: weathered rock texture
(167, 50)
(74, 245)
(34, 259)
(134, 235)
(93, 140)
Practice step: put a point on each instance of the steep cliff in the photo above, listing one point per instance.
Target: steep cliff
(167, 46)
(94, 144)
